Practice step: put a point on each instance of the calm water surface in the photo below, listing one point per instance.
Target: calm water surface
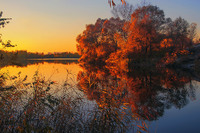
(50, 70)
(160, 101)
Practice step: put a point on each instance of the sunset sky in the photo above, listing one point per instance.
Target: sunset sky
(53, 25)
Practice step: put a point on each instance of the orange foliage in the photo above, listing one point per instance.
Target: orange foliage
(165, 43)
(146, 92)
(147, 37)
(97, 42)
(171, 58)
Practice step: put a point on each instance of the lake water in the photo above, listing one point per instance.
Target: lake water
(162, 101)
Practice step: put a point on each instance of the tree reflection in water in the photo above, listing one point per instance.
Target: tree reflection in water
(122, 100)
(132, 98)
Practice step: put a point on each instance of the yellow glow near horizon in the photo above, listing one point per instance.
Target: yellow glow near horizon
(48, 26)
(41, 37)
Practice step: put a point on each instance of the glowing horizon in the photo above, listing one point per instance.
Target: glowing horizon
(53, 25)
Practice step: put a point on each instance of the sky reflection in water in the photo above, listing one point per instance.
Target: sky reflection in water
(142, 98)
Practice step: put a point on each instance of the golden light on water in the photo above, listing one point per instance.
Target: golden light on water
(51, 71)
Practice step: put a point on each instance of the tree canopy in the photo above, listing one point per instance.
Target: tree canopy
(146, 35)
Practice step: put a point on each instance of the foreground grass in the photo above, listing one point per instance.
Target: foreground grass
(44, 106)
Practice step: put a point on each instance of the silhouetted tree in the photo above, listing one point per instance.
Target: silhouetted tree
(3, 21)
(192, 32)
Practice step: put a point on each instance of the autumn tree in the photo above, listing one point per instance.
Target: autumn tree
(150, 32)
(180, 31)
(144, 29)
(140, 36)
(192, 32)
(97, 42)
(146, 36)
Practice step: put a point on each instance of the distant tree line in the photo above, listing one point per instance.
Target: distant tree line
(23, 54)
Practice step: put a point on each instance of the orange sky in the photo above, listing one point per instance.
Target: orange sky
(49, 25)
(53, 25)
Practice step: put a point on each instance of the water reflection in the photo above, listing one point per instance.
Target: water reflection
(100, 100)
(146, 94)
(25, 63)
(55, 70)
(36, 101)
